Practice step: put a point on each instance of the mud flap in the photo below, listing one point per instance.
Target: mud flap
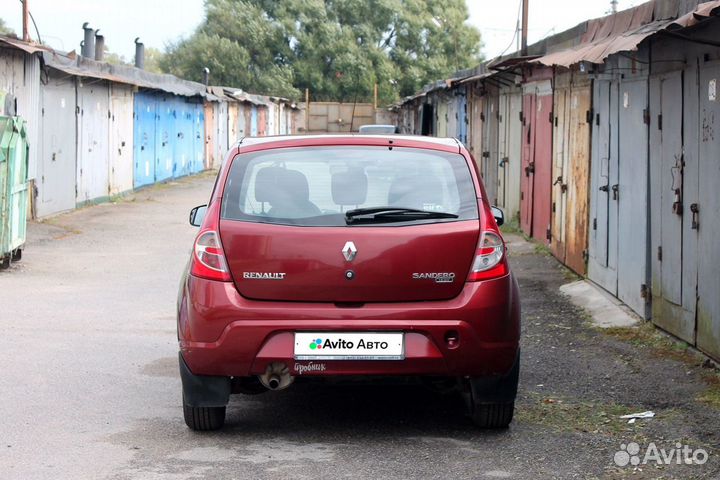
(497, 389)
(203, 390)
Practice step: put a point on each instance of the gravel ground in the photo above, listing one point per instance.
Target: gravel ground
(90, 386)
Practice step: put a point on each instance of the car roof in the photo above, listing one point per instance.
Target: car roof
(449, 144)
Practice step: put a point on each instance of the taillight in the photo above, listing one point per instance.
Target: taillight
(490, 259)
(208, 258)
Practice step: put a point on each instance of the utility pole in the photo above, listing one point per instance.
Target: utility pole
(613, 6)
(307, 110)
(524, 36)
(26, 21)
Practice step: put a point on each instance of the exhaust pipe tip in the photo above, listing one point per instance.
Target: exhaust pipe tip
(274, 382)
(276, 377)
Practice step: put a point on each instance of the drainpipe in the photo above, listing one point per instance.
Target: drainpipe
(524, 44)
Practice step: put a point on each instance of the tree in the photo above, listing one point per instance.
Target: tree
(336, 48)
(4, 29)
(153, 57)
(114, 58)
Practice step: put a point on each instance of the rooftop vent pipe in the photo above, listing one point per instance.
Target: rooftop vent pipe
(139, 53)
(99, 46)
(88, 45)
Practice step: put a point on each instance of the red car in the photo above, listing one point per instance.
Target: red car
(352, 255)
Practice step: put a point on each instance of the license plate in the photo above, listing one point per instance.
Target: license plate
(349, 346)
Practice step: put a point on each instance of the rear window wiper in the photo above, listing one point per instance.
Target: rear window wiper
(391, 214)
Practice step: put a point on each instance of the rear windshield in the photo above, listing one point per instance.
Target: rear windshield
(316, 186)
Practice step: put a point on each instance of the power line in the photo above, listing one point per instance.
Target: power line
(517, 28)
(33, 21)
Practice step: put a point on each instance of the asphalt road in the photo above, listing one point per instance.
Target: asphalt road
(89, 385)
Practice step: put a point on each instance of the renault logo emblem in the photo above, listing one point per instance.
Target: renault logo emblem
(349, 251)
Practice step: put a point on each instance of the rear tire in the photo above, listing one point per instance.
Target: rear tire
(5, 262)
(204, 418)
(17, 255)
(491, 401)
(493, 415)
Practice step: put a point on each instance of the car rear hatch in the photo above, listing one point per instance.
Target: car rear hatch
(349, 224)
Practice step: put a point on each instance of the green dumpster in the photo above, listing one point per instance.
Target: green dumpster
(13, 189)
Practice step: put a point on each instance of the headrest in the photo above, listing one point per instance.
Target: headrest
(276, 183)
(349, 188)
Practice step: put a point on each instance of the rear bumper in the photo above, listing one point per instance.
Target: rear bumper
(222, 333)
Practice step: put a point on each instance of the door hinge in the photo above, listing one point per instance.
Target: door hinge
(646, 116)
(556, 121)
(486, 154)
(597, 119)
(522, 195)
(659, 253)
(548, 234)
(585, 255)
(594, 223)
(589, 116)
(482, 117)
(522, 117)
(644, 293)
(553, 207)
(659, 120)
(550, 117)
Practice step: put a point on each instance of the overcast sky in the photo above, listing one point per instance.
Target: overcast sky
(158, 22)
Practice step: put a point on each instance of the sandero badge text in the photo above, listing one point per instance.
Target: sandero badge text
(327, 344)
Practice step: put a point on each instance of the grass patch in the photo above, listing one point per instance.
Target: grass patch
(569, 274)
(711, 396)
(646, 336)
(542, 249)
(513, 226)
(568, 416)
